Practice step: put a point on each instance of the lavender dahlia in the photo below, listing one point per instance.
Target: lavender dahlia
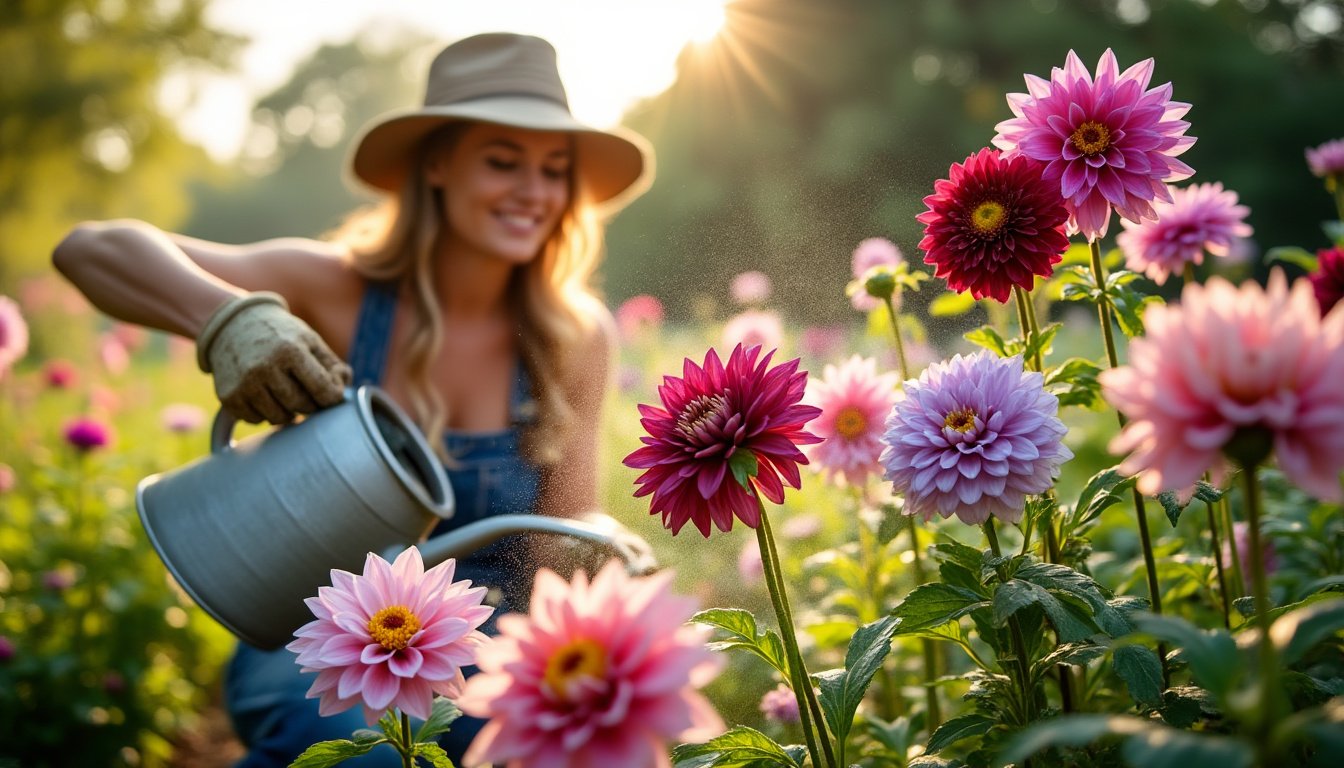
(1327, 160)
(973, 437)
(1109, 141)
(719, 420)
(993, 224)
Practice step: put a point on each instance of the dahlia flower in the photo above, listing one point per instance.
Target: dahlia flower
(871, 253)
(182, 418)
(1327, 282)
(754, 328)
(1109, 141)
(750, 287)
(1229, 363)
(1241, 538)
(393, 636)
(719, 422)
(1327, 160)
(13, 335)
(780, 705)
(60, 374)
(638, 314)
(599, 673)
(854, 400)
(973, 437)
(1199, 218)
(993, 224)
(85, 434)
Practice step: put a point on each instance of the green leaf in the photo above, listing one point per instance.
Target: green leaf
(742, 626)
(935, 604)
(1062, 577)
(1040, 342)
(1291, 254)
(441, 717)
(744, 467)
(434, 754)
(1104, 489)
(985, 336)
(1074, 382)
(951, 304)
(741, 747)
(1334, 229)
(948, 548)
(1212, 655)
(1017, 594)
(1141, 670)
(1162, 747)
(391, 725)
(1183, 705)
(1067, 731)
(1172, 505)
(959, 728)
(841, 694)
(1129, 305)
(328, 753)
(1071, 653)
(1297, 631)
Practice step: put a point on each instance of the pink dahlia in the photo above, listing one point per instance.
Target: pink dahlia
(973, 437)
(750, 287)
(1327, 160)
(60, 374)
(182, 418)
(86, 434)
(1327, 282)
(779, 705)
(392, 637)
(1199, 218)
(599, 673)
(875, 252)
(1109, 141)
(718, 421)
(754, 328)
(638, 314)
(8, 478)
(993, 224)
(13, 335)
(854, 400)
(1231, 368)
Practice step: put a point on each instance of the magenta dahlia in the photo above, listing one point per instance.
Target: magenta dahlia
(1233, 365)
(719, 420)
(1108, 142)
(1327, 160)
(596, 674)
(86, 434)
(1328, 280)
(993, 224)
(1199, 218)
(394, 636)
(973, 437)
(854, 400)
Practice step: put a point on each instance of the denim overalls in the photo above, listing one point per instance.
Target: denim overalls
(264, 691)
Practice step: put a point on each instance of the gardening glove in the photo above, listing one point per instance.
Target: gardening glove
(268, 365)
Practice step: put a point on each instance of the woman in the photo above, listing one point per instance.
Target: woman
(465, 296)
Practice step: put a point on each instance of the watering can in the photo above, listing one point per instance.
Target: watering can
(256, 526)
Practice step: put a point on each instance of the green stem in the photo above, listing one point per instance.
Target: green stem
(896, 331)
(1238, 579)
(1015, 631)
(809, 710)
(933, 711)
(1269, 668)
(1337, 181)
(1189, 273)
(1224, 598)
(408, 746)
(1027, 323)
(1140, 512)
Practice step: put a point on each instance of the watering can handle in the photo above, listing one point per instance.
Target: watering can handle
(221, 431)
(599, 528)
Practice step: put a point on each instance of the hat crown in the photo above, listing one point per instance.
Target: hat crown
(493, 65)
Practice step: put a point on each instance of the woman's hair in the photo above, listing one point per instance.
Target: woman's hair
(551, 295)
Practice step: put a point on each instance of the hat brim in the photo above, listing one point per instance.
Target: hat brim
(614, 166)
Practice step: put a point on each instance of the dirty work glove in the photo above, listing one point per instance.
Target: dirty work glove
(268, 365)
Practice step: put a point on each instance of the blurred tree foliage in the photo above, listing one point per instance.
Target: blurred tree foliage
(807, 126)
(81, 135)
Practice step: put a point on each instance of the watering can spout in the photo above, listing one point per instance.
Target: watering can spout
(599, 528)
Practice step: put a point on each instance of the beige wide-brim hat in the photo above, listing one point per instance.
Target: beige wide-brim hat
(511, 80)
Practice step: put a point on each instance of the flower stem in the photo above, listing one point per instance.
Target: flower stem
(1339, 195)
(809, 710)
(1015, 632)
(1225, 599)
(1140, 511)
(1238, 579)
(408, 746)
(933, 711)
(1269, 669)
(1027, 322)
(1189, 273)
(896, 331)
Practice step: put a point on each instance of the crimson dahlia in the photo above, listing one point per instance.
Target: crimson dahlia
(720, 423)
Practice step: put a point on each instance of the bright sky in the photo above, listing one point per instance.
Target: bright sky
(611, 52)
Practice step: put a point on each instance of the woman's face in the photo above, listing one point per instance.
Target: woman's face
(504, 188)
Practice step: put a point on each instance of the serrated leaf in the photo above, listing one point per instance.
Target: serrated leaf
(1017, 594)
(328, 753)
(951, 304)
(1172, 505)
(1040, 342)
(741, 625)
(1141, 670)
(1212, 655)
(1074, 382)
(1062, 577)
(958, 728)
(1129, 306)
(741, 747)
(1078, 654)
(1183, 705)
(948, 548)
(434, 754)
(841, 694)
(441, 717)
(985, 336)
(932, 605)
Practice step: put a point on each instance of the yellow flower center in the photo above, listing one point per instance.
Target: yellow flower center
(1091, 138)
(988, 217)
(580, 658)
(850, 423)
(393, 627)
(962, 420)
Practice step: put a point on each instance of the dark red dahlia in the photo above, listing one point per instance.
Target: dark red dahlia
(718, 424)
(1328, 279)
(994, 224)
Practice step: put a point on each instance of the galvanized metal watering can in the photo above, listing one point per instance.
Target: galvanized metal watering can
(256, 526)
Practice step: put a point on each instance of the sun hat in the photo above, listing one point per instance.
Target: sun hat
(512, 80)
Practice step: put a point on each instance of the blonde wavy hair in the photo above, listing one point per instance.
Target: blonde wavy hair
(551, 296)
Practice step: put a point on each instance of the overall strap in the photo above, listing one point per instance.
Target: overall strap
(373, 332)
